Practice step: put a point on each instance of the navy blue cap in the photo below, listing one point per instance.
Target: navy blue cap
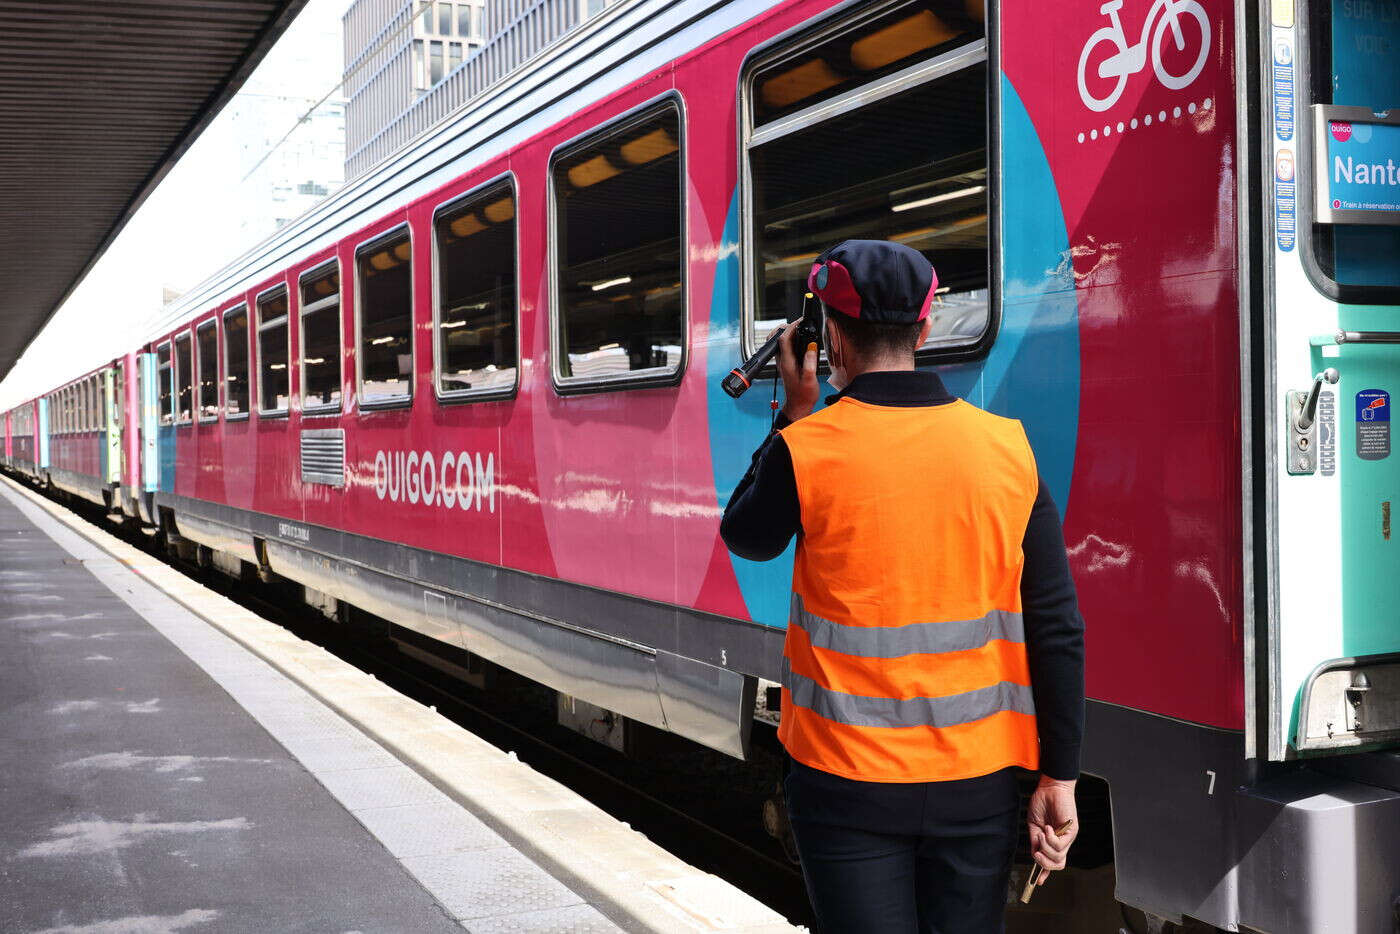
(875, 280)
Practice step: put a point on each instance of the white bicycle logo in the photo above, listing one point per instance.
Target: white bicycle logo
(1129, 60)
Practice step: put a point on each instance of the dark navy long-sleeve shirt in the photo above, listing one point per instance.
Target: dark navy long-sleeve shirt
(764, 514)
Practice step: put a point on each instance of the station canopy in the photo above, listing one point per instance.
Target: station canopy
(98, 99)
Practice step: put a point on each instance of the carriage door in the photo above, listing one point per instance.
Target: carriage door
(1333, 115)
(112, 425)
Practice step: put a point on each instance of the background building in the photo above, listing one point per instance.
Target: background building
(284, 145)
(408, 63)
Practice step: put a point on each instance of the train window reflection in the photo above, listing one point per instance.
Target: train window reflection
(861, 54)
(274, 381)
(236, 361)
(620, 253)
(320, 339)
(919, 175)
(207, 344)
(184, 375)
(476, 349)
(384, 296)
(165, 385)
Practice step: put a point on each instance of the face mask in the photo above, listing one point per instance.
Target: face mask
(837, 379)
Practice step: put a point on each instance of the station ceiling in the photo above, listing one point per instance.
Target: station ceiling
(98, 100)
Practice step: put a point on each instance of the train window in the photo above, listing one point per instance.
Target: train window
(619, 256)
(207, 343)
(384, 300)
(320, 339)
(474, 318)
(910, 83)
(274, 382)
(1349, 60)
(236, 362)
(184, 376)
(165, 384)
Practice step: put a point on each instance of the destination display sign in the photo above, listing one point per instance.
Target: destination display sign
(1358, 166)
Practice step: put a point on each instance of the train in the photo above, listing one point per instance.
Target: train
(477, 391)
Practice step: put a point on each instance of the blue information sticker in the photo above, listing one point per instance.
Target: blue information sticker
(1283, 84)
(1372, 424)
(1285, 200)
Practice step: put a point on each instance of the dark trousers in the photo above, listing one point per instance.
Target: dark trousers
(901, 859)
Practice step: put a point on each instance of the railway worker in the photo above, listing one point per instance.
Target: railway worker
(934, 643)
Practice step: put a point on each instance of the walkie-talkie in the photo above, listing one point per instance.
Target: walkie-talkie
(809, 331)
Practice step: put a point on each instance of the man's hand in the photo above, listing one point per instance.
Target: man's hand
(799, 375)
(1051, 806)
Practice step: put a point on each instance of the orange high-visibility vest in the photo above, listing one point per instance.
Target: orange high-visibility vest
(905, 658)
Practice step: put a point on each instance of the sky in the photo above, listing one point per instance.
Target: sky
(207, 211)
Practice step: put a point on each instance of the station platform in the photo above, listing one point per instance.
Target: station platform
(174, 763)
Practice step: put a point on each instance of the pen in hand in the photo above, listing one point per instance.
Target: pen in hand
(1038, 873)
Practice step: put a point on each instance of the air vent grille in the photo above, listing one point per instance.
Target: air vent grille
(323, 456)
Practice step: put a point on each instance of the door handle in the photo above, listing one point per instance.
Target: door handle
(1301, 434)
(1308, 413)
(1368, 337)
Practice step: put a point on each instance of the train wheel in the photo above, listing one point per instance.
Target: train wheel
(775, 821)
(1137, 921)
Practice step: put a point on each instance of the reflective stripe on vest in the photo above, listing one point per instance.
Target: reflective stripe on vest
(856, 710)
(905, 658)
(908, 639)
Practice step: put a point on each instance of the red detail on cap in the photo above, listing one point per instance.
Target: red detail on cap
(932, 291)
(839, 293)
(736, 372)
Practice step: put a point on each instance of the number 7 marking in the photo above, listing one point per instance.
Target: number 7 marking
(1210, 789)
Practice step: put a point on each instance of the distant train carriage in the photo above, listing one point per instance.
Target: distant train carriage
(476, 392)
(22, 439)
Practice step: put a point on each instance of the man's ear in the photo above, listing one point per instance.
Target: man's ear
(925, 330)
